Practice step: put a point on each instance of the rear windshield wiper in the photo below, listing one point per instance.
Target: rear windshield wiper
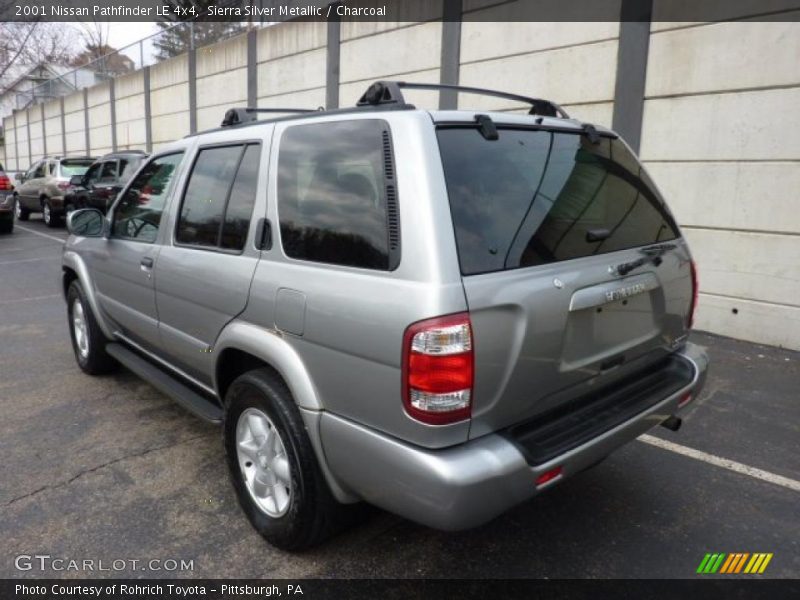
(652, 254)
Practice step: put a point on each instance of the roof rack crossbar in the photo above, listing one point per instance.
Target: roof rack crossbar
(389, 92)
(236, 116)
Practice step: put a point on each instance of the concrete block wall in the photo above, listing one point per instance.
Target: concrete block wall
(718, 104)
(169, 100)
(221, 80)
(291, 65)
(74, 127)
(54, 140)
(720, 110)
(98, 103)
(574, 64)
(130, 111)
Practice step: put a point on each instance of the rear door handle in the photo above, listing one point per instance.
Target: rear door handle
(147, 262)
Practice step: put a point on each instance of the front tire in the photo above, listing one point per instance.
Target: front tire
(88, 341)
(22, 213)
(272, 465)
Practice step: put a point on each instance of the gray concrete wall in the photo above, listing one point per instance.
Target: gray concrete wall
(720, 117)
(719, 111)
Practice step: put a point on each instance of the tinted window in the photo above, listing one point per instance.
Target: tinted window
(38, 170)
(92, 174)
(240, 203)
(129, 166)
(332, 193)
(221, 191)
(530, 197)
(109, 170)
(137, 215)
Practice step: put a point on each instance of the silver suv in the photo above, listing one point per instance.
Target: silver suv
(442, 313)
(42, 187)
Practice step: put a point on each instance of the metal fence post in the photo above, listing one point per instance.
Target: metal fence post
(332, 61)
(148, 125)
(451, 52)
(86, 120)
(63, 128)
(44, 130)
(252, 68)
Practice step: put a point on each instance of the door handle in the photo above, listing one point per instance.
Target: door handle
(147, 262)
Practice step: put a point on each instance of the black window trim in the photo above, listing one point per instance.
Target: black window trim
(395, 256)
(218, 248)
(113, 210)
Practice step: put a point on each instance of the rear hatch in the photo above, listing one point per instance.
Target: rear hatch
(573, 268)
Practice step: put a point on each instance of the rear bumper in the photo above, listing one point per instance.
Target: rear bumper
(470, 484)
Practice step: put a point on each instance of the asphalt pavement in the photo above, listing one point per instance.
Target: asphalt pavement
(109, 469)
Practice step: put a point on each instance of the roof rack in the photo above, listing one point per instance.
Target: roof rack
(388, 92)
(237, 116)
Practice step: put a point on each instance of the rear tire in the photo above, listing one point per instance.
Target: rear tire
(22, 213)
(50, 218)
(7, 225)
(296, 509)
(88, 341)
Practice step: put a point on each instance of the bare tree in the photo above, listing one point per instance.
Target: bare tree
(32, 43)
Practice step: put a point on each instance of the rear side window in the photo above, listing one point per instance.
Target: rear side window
(219, 197)
(537, 197)
(337, 194)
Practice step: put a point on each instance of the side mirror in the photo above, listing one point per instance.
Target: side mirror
(20, 177)
(76, 180)
(86, 222)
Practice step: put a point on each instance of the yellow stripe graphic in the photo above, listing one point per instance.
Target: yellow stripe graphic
(765, 563)
(741, 562)
(727, 563)
(752, 563)
(761, 558)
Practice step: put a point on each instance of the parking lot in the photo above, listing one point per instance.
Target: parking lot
(108, 468)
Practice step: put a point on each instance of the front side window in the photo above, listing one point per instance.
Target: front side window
(335, 190)
(36, 171)
(137, 215)
(109, 171)
(534, 197)
(219, 197)
(92, 175)
(128, 166)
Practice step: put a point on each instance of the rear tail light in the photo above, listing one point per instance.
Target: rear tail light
(685, 399)
(5, 184)
(438, 366)
(695, 292)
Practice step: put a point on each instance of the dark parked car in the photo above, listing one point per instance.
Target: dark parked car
(6, 203)
(99, 186)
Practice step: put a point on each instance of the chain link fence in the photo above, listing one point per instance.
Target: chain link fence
(163, 45)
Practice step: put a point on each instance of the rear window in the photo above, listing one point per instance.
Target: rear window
(534, 197)
(74, 167)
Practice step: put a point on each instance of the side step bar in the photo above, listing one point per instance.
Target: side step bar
(166, 383)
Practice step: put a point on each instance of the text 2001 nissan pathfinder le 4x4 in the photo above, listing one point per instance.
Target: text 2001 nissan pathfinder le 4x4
(441, 313)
